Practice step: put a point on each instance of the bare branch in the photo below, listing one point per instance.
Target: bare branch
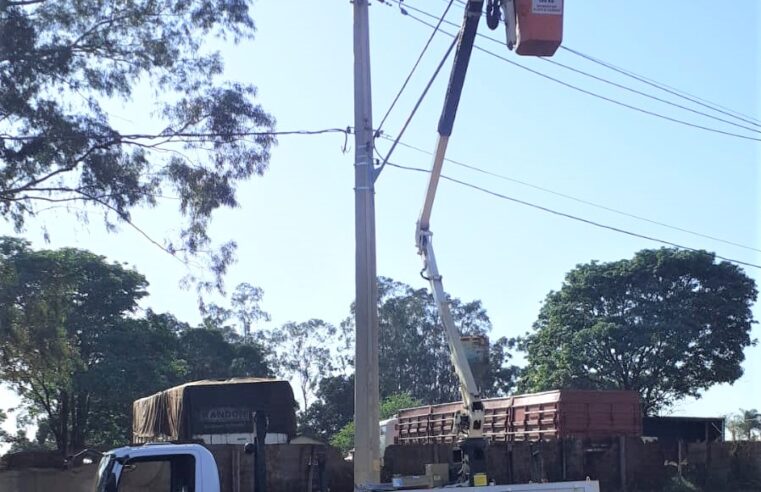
(31, 184)
(126, 219)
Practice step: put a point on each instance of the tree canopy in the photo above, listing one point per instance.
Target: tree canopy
(75, 348)
(332, 408)
(414, 359)
(304, 354)
(668, 323)
(413, 355)
(390, 406)
(64, 64)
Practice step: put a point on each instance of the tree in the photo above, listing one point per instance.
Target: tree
(303, 353)
(209, 353)
(745, 425)
(60, 62)
(56, 308)
(73, 347)
(667, 323)
(246, 306)
(414, 357)
(332, 409)
(390, 406)
(5, 436)
(205, 353)
(137, 357)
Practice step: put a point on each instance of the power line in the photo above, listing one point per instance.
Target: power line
(659, 85)
(641, 93)
(417, 104)
(582, 90)
(414, 67)
(669, 89)
(574, 217)
(116, 137)
(581, 200)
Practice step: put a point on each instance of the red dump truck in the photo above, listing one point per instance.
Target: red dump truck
(535, 416)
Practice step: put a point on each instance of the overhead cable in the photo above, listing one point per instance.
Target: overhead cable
(661, 86)
(115, 136)
(669, 89)
(585, 91)
(414, 67)
(574, 217)
(579, 200)
(417, 104)
(641, 93)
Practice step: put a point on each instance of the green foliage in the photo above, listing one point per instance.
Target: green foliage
(4, 435)
(414, 357)
(56, 309)
(76, 352)
(304, 353)
(332, 409)
(390, 406)
(667, 323)
(344, 438)
(415, 364)
(61, 61)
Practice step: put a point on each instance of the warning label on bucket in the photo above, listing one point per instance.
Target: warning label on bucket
(547, 7)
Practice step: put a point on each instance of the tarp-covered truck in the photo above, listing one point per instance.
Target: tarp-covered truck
(216, 412)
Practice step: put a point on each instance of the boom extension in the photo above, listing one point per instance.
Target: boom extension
(469, 421)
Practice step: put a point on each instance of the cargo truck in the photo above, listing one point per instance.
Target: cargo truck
(527, 417)
(216, 411)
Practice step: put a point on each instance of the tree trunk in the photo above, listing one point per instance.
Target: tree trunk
(63, 424)
(304, 395)
(79, 422)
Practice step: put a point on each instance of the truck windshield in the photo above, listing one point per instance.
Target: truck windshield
(105, 481)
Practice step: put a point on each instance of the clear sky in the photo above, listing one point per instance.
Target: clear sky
(295, 226)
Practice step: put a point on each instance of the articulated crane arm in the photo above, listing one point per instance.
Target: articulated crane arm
(469, 421)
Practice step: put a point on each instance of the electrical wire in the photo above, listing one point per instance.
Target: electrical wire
(574, 217)
(414, 67)
(661, 86)
(582, 90)
(417, 105)
(667, 88)
(580, 200)
(169, 134)
(641, 93)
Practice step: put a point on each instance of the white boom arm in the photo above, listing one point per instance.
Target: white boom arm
(470, 421)
(471, 397)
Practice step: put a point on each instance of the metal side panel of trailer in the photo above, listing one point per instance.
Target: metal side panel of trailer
(584, 486)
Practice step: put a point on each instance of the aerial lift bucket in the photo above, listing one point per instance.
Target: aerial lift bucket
(534, 27)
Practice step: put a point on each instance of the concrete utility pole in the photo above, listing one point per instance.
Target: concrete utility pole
(366, 405)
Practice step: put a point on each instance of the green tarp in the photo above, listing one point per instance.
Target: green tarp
(214, 407)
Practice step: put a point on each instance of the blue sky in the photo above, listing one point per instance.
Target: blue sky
(295, 225)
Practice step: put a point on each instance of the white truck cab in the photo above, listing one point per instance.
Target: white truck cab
(158, 467)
